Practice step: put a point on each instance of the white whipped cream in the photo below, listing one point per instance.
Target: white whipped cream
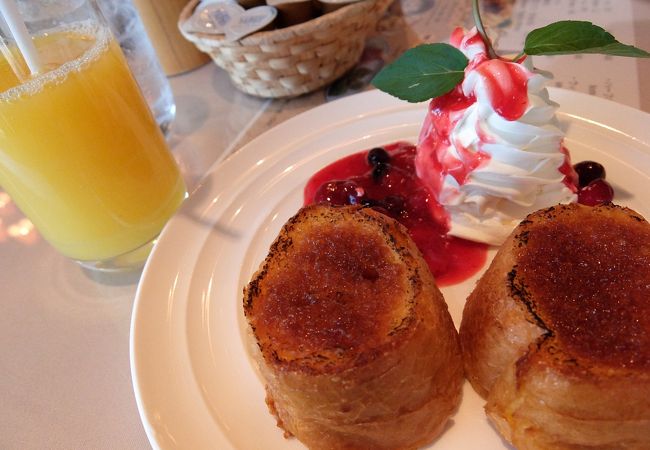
(518, 172)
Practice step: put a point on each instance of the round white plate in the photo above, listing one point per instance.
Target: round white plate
(194, 383)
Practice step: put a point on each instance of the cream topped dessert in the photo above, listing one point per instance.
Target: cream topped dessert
(490, 151)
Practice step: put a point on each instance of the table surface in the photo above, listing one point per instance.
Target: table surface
(64, 331)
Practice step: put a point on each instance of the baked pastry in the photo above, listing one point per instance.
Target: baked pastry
(556, 334)
(354, 340)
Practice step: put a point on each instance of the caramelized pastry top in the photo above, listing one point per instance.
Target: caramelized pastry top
(586, 279)
(332, 293)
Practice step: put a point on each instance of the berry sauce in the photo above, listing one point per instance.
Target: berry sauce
(394, 189)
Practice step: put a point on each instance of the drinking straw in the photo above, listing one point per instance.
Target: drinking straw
(12, 17)
(18, 69)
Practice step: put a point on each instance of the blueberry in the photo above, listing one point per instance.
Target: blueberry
(379, 159)
(379, 171)
(589, 171)
(378, 156)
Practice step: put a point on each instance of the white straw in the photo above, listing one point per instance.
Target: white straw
(18, 69)
(15, 22)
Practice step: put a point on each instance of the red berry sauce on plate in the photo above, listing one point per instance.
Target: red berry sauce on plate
(384, 178)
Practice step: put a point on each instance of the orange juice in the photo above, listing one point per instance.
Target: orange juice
(80, 152)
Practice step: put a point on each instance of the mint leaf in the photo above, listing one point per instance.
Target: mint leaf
(423, 72)
(571, 36)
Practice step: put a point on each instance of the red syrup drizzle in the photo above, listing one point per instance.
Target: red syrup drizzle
(570, 179)
(434, 161)
(451, 260)
(507, 86)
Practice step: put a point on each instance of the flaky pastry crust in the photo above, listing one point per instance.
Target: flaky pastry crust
(354, 340)
(556, 334)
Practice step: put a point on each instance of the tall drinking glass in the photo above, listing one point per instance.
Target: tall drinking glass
(124, 21)
(80, 152)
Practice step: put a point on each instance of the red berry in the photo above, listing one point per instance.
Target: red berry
(339, 192)
(597, 192)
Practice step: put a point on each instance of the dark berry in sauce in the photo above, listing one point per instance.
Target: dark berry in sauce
(589, 171)
(367, 201)
(394, 204)
(378, 155)
(378, 159)
(597, 192)
(379, 171)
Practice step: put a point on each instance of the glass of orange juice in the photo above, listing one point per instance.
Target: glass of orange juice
(80, 152)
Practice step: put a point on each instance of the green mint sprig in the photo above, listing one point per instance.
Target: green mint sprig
(569, 37)
(431, 70)
(423, 72)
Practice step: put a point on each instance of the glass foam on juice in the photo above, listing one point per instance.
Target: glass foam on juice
(80, 152)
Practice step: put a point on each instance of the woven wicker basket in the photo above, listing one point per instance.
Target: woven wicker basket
(291, 61)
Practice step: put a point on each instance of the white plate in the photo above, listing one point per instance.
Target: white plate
(194, 383)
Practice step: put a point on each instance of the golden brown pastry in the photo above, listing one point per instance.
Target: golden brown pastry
(556, 334)
(354, 339)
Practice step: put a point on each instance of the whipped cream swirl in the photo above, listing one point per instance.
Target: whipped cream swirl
(491, 150)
